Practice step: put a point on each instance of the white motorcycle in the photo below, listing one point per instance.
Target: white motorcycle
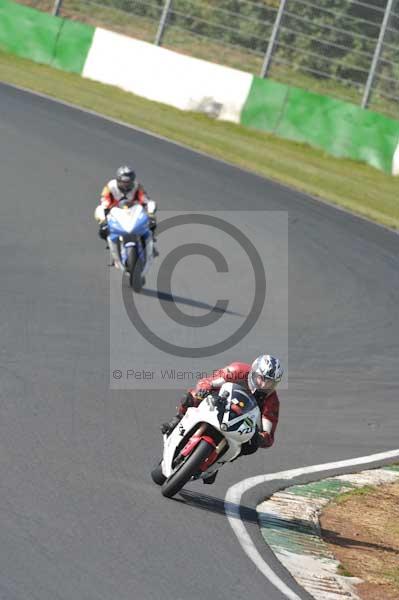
(207, 437)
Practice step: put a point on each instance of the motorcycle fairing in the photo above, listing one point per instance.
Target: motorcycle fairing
(133, 221)
(236, 429)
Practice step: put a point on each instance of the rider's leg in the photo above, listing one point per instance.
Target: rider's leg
(103, 232)
(153, 227)
(185, 402)
(114, 250)
(210, 479)
(250, 447)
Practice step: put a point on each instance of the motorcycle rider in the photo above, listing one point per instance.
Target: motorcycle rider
(123, 190)
(261, 379)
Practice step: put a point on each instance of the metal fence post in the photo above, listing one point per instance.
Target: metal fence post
(377, 55)
(273, 39)
(57, 8)
(163, 22)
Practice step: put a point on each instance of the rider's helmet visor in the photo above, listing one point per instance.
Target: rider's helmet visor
(263, 383)
(125, 184)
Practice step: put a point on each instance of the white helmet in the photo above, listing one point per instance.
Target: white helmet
(265, 374)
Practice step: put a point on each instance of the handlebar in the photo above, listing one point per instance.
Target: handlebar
(220, 401)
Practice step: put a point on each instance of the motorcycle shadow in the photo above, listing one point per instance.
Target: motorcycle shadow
(167, 297)
(218, 506)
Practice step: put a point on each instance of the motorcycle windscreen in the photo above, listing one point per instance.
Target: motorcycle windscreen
(132, 221)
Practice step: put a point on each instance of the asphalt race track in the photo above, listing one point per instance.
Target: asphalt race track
(80, 517)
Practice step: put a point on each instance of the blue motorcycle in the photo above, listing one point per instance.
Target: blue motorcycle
(131, 242)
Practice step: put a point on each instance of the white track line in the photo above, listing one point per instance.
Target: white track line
(232, 504)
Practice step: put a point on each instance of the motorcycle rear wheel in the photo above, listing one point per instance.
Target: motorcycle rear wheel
(190, 467)
(157, 476)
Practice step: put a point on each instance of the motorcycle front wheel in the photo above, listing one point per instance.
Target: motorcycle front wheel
(134, 269)
(189, 467)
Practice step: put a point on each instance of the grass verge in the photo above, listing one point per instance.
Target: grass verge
(360, 528)
(354, 186)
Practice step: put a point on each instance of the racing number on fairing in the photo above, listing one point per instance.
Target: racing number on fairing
(250, 425)
(246, 430)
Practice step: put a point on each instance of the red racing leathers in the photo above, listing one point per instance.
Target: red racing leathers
(237, 372)
(111, 195)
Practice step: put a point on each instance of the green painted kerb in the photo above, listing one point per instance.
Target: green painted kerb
(340, 128)
(45, 39)
(297, 541)
(300, 536)
(328, 488)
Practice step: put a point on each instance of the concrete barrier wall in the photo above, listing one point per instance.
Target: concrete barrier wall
(336, 127)
(53, 41)
(339, 128)
(165, 76)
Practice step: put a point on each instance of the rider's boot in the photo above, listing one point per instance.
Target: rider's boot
(167, 428)
(211, 479)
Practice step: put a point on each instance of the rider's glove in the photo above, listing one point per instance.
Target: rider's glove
(201, 394)
(187, 400)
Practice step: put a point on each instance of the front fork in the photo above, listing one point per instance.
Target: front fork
(212, 458)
